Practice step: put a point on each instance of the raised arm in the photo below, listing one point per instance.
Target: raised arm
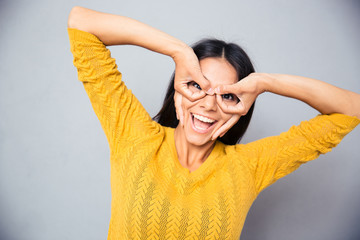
(274, 157)
(119, 30)
(322, 96)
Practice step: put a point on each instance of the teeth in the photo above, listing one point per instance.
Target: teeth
(203, 119)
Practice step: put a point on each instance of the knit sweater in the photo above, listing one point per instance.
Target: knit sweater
(153, 195)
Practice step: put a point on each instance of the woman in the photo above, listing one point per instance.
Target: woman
(189, 179)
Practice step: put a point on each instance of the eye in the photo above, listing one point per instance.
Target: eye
(194, 85)
(230, 97)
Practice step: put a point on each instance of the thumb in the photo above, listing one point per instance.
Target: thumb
(230, 88)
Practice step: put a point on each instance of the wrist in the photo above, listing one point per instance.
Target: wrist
(265, 82)
(180, 51)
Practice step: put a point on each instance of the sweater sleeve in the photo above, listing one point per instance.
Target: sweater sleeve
(122, 117)
(274, 157)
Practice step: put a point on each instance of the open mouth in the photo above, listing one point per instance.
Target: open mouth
(202, 124)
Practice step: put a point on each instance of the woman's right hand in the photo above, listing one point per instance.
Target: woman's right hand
(187, 69)
(119, 30)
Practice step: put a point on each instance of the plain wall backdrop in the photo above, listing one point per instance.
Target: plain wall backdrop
(54, 156)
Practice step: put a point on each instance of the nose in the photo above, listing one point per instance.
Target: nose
(208, 102)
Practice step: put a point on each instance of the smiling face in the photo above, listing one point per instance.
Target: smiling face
(203, 117)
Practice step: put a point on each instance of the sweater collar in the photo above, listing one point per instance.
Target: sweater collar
(206, 169)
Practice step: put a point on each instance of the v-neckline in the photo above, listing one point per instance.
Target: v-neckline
(205, 167)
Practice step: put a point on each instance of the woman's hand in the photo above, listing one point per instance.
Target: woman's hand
(322, 96)
(119, 30)
(187, 69)
(246, 90)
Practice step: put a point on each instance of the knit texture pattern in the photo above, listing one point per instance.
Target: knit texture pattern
(153, 195)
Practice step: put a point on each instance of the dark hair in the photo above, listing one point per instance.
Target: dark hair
(237, 57)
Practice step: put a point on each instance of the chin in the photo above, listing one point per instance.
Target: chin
(198, 140)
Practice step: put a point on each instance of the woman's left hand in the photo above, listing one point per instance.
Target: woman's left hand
(246, 90)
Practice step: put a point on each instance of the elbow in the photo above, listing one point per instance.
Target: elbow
(75, 16)
(355, 97)
(350, 104)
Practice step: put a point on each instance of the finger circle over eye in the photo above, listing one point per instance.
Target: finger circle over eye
(197, 95)
(186, 93)
(224, 107)
(238, 109)
(220, 103)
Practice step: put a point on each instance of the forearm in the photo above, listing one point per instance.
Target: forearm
(322, 96)
(119, 30)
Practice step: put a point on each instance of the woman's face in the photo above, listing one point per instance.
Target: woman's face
(203, 117)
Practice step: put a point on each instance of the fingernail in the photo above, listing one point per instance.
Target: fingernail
(210, 91)
(217, 90)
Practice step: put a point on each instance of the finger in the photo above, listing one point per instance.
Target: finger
(178, 107)
(192, 96)
(176, 102)
(181, 112)
(225, 127)
(231, 88)
(203, 82)
(238, 109)
(197, 95)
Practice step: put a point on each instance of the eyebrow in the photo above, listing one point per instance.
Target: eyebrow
(206, 78)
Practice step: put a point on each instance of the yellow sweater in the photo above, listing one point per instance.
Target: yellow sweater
(153, 196)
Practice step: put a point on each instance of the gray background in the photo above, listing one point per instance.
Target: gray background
(54, 156)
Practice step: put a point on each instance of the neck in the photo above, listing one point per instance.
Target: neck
(191, 156)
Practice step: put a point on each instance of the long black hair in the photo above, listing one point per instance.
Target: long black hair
(237, 57)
